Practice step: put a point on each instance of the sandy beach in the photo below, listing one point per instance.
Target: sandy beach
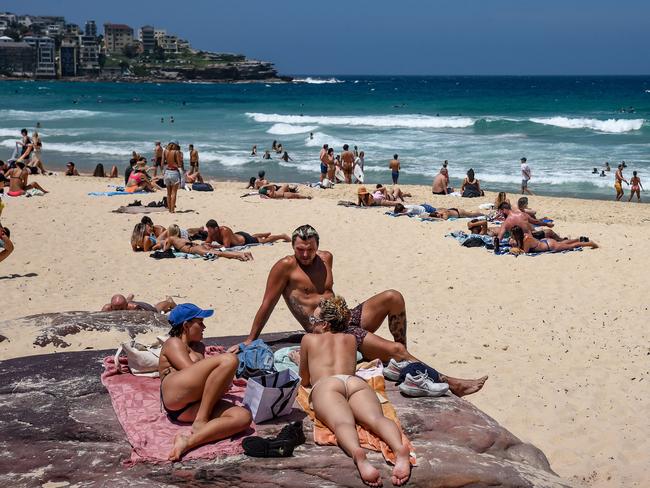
(563, 337)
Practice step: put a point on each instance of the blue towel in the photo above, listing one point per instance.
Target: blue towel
(113, 193)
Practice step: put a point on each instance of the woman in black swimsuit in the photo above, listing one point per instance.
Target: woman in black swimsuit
(527, 243)
(192, 386)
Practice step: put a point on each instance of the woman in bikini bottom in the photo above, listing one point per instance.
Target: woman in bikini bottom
(192, 386)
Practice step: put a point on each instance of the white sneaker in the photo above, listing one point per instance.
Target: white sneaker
(421, 385)
(394, 368)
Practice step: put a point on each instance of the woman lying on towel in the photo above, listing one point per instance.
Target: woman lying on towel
(182, 244)
(192, 386)
(339, 398)
(281, 192)
(527, 243)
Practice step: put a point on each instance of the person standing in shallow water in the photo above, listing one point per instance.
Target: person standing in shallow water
(525, 176)
(618, 182)
(394, 168)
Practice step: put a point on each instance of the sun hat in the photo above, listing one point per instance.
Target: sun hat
(187, 311)
(362, 190)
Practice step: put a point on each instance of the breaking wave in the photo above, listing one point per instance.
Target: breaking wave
(383, 121)
(612, 126)
(288, 129)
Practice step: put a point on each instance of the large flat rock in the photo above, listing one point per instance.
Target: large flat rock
(58, 426)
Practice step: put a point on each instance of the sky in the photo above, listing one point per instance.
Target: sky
(406, 37)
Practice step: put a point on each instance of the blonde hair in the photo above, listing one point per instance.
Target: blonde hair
(501, 197)
(335, 312)
(174, 230)
(138, 236)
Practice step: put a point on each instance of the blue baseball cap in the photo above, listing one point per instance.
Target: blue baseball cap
(187, 311)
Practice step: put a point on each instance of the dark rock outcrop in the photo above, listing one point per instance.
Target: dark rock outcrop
(58, 425)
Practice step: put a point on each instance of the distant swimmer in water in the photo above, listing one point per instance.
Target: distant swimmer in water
(254, 151)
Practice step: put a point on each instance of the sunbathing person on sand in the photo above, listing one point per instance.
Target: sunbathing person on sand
(120, 302)
(306, 277)
(192, 386)
(366, 199)
(525, 242)
(281, 191)
(227, 238)
(187, 246)
(453, 213)
(18, 181)
(340, 399)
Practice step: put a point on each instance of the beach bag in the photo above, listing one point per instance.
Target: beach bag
(271, 396)
(473, 241)
(256, 359)
(142, 360)
(202, 187)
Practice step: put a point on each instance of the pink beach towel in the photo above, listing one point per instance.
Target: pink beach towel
(136, 401)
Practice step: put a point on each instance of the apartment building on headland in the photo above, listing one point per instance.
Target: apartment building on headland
(117, 37)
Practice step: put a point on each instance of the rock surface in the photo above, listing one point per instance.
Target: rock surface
(58, 426)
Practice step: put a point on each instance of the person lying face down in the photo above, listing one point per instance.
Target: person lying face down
(339, 398)
(120, 302)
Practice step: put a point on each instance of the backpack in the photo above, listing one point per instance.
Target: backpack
(473, 241)
(256, 359)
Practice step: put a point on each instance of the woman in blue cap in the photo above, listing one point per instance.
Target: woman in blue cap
(192, 386)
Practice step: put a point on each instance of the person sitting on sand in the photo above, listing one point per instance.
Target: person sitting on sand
(18, 178)
(261, 180)
(306, 277)
(522, 205)
(339, 398)
(225, 237)
(143, 238)
(471, 187)
(7, 246)
(139, 180)
(279, 192)
(525, 242)
(413, 210)
(195, 177)
(181, 244)
(71, 169)
(192, 386)
(441, 183)
(526, 222)
(454, 213)
(100, 173)
(120, 302)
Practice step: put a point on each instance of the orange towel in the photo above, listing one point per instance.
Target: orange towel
(325, 437)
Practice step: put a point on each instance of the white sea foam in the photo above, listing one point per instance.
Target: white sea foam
(288, 129)
(48, 115)
(413, 121)
(321, 138)
(317, 81)
(612, 126)
(119, 148)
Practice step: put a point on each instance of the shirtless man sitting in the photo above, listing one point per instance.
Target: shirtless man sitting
(120, 302)
(441, 183)
(306, 277)
(525, 222)
(227, 238)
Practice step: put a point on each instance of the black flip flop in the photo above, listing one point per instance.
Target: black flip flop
(259, 447)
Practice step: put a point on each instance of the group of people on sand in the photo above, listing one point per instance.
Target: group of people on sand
(266, 189)
(193, 385)
(522, 228)
(344, 164)
(210, 241)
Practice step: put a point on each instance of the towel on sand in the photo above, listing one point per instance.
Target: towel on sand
(139, 209)
(112, 193)
(136, 401)
(325, 437)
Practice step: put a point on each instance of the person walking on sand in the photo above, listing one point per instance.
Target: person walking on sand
(157, 158)
(194, 159)
(636, 187)
(394, 168)
(172, 174)
(618, 182)
(525, 177)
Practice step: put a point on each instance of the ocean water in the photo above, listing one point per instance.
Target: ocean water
(565, 126)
